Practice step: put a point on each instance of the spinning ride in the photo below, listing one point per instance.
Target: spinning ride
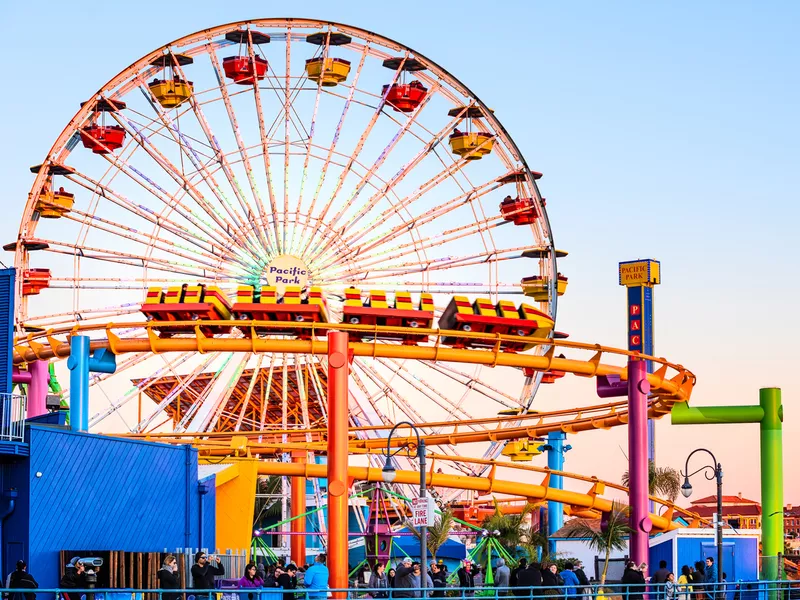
(299, 171)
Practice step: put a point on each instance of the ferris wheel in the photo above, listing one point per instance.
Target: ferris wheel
(297, 158)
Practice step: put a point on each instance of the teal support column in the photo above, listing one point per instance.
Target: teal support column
(769, 415)
(772, 530)
(78, 364)
(555, 461)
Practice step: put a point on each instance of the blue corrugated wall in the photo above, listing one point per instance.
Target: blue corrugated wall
(92, 492)
(7, 278)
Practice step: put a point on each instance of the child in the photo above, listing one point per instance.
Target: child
(669, 586)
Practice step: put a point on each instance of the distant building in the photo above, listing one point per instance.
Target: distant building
(791, 521)
(737, 512)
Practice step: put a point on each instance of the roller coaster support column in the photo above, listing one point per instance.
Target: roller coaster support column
(338, 373)
(80, 362)
(769, 415)
(640, 277)
(37, 391)
(298, 541)
(638, 388)
(555, 461)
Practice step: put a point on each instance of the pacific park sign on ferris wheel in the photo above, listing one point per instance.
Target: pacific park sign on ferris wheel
(286, 269)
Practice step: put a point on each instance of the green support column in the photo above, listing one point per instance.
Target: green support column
(771, 481)
(769, 415)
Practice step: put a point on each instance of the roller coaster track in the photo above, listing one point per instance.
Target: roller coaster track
(670, 383)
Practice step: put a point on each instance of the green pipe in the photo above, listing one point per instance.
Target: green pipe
(771, 481)
(769, 414)
(682, 414)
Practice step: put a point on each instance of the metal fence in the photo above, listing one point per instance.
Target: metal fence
(12, 417)
(740, 590)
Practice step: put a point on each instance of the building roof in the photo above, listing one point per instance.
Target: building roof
(594, 524)
(746, 510)
(725, 500)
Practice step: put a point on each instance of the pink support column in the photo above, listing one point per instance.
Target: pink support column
(638, 389)
(37, 390)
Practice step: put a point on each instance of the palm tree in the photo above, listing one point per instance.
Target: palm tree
(613, 538)
(662, 481)
(512, 528)
(267, 507)
(439, 533)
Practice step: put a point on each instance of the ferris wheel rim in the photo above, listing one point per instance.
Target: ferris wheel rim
(135, 68)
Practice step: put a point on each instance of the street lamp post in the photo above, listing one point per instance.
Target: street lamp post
(711, 471)
(388, 473)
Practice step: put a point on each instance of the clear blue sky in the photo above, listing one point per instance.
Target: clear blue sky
(664, 130)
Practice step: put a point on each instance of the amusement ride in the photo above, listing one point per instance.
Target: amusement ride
(228, 202)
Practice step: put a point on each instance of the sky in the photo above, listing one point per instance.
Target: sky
(664, 130)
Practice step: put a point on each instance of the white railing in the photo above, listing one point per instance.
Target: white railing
(12, 417)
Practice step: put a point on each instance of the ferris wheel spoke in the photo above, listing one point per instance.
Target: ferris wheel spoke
(264, 139)
(223, 87)
(114, 256)
(400, 176)
(429, 216)
(371, 172)
(310, 141)
(140, 239)
(245, 403)
(217, 407)
(330, 151)
(84, 314)
(473, 383)
(388, 392)
(179, 177)
(356, 152)
(141, 386)
(361, 384)
(430, 265)
(425, 389)
(198, 413)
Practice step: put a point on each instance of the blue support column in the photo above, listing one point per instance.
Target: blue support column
(78, 364)
(555, 461)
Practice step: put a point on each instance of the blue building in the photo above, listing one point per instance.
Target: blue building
(83, 492)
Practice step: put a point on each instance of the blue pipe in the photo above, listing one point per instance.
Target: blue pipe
(187, 536)
(78, 365)
(203, 489)
(555, 461)
(10, 496)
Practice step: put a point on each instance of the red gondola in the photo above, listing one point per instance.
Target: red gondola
(520, 211)
(102, 139)
(405, 97)
(240, 69)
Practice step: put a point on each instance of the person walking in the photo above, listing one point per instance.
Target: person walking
(502, 577)
(74, 578)
(250, 579)
(529, 580)
(317, 578)
(379, 582)
(168, 578)
(570, 580)
(22, 580)
(288, 581)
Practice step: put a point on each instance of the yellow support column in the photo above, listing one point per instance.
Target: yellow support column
(236, 501)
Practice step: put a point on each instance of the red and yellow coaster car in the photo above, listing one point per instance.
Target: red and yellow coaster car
(484, 316)
(188, 303)
(377, 310)
(293, 306)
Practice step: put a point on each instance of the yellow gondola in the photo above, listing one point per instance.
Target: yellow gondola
(471, 146)
(335, 71)
(171, 92)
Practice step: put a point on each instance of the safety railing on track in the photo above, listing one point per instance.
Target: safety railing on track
(738, 590)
